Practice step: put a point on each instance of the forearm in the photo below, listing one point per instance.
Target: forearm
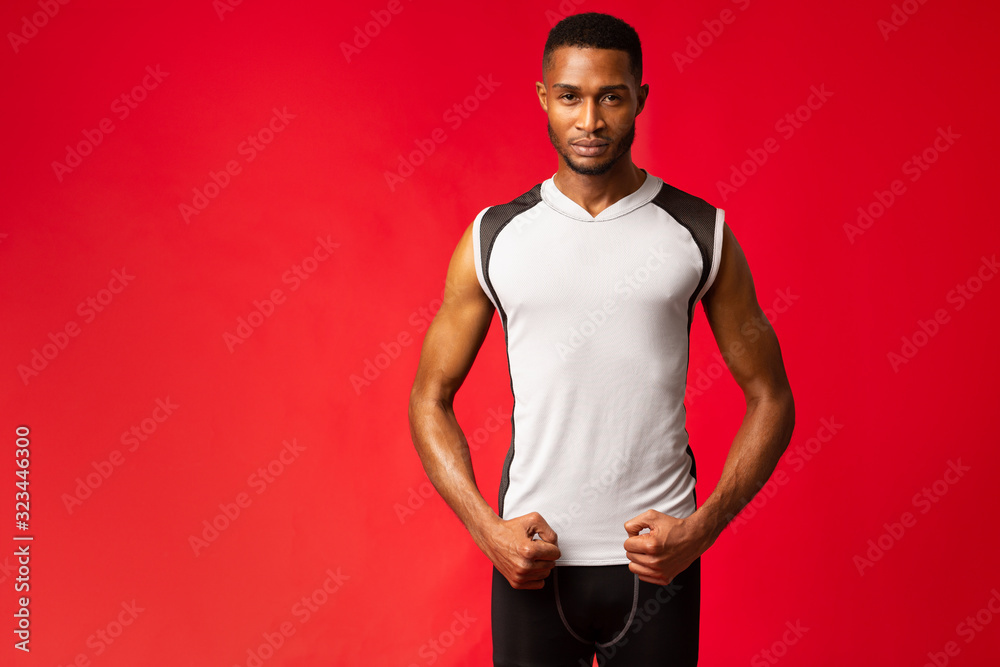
(756, 450)
(444, 453)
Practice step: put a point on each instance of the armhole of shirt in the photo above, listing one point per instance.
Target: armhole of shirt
(477, 243)
(720, 217)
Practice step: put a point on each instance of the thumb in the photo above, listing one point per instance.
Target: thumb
(541, 528)
(633, 526)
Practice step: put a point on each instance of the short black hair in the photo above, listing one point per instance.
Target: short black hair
(596, 31)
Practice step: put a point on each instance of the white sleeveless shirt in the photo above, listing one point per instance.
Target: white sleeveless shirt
(596, 313)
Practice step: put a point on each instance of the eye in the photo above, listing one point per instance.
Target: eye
(566, 95)
(612, 97)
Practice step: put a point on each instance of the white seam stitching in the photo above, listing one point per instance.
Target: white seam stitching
(555, 584)
(635, 601)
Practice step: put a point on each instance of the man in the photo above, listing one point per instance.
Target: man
(595, 274)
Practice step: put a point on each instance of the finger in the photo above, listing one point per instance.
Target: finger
(543, 566)
(539, 526)
(535, 571)
(659, 581)
(633, 526)
(538, 554)
(641, 559)
(647, 573)
(638, 544)
(528, 585)
(544, 551)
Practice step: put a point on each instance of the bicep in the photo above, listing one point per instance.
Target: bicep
(457, 332)
(744, 334)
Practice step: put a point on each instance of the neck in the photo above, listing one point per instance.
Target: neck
(597, 192)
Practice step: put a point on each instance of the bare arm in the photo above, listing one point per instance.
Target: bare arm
(449, 349)
(450, 346)
(756, 365)
(755, 362)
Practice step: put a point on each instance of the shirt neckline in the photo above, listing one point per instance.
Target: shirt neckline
(555, 198)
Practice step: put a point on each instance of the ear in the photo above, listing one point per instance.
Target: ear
(543, 97)
(643, 92)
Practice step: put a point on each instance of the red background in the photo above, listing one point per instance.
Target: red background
(355, 500)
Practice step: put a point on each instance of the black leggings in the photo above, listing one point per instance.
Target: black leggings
(605, 609)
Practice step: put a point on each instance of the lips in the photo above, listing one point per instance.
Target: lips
(589, 147)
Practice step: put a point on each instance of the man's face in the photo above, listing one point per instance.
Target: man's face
(592, 100)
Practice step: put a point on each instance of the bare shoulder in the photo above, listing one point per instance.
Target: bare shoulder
(746, 339)
(462, 286)
(733, 286)
(457, 332)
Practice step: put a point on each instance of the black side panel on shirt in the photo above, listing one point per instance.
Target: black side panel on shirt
(698, 216)
(495, 219)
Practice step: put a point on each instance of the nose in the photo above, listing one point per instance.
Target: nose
(589, 119)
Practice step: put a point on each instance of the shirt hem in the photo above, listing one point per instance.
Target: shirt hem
(615, 561)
